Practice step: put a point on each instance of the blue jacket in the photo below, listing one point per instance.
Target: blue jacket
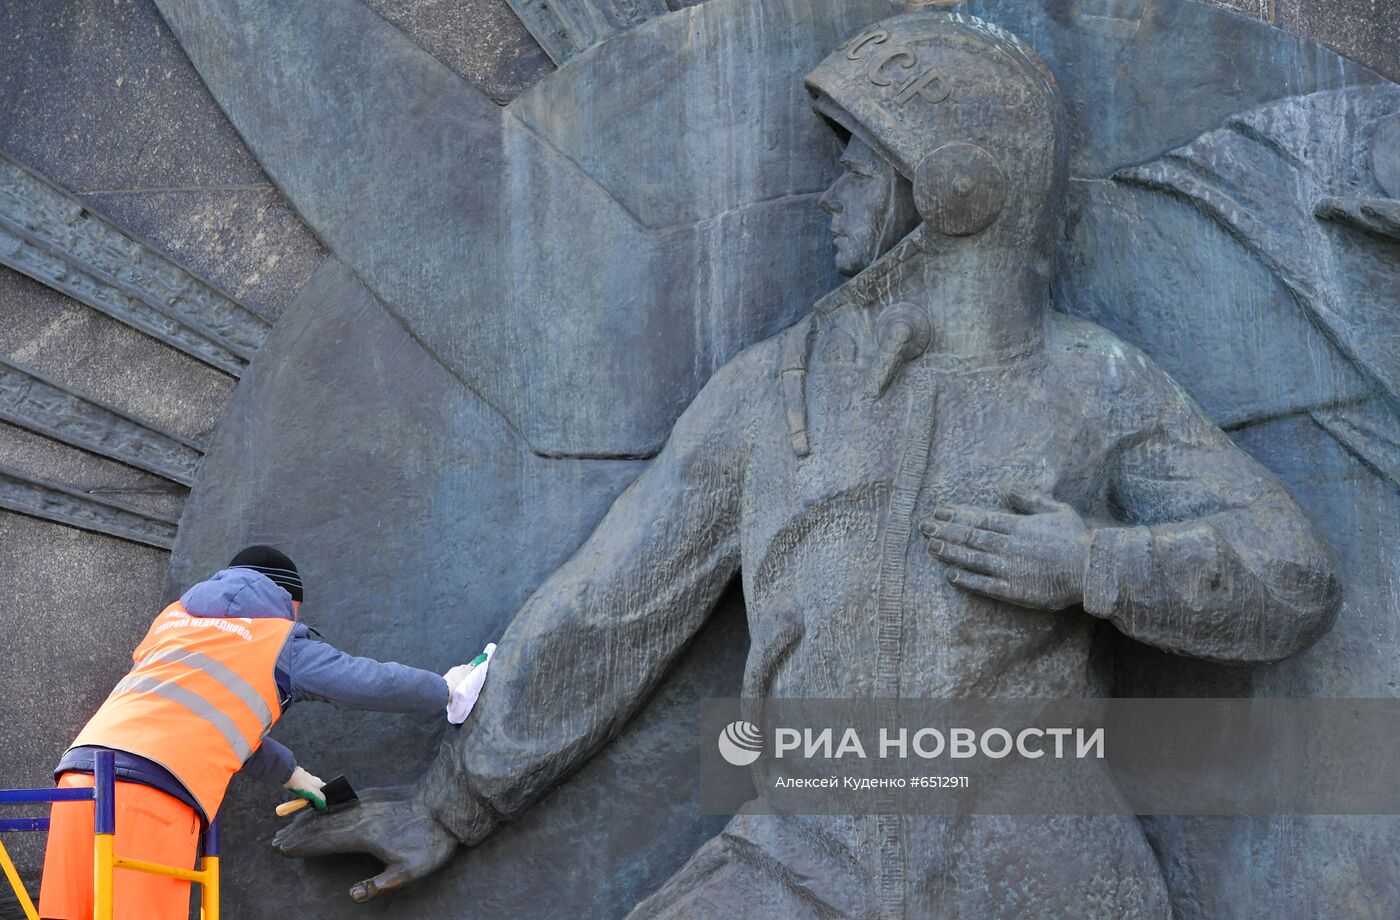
(307, 669)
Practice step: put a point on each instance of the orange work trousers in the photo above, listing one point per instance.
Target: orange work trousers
(151, 825)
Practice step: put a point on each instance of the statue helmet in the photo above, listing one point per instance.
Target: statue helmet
(963, 109)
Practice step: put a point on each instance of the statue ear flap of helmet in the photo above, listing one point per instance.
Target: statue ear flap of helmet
(959, 189)
(965, 110)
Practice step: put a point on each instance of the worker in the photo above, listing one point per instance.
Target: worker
(213, 674)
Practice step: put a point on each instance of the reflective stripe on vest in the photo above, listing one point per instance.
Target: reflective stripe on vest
(223, 674)
(198, 701)
(195, 704)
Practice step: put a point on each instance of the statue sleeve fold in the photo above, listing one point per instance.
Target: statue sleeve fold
(1215, 559)
(590, 645)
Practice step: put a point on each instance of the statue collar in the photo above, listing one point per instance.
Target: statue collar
(875, 283)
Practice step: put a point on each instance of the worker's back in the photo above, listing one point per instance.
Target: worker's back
(202, 693)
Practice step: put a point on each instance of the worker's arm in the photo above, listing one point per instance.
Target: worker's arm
(271, 763)
(319, 671)
(309, 669)
(584, 652)
(274, 764)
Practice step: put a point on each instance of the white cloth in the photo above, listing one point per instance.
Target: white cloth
(466, 687)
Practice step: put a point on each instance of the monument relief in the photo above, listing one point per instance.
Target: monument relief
(815, 349)
(932, 486)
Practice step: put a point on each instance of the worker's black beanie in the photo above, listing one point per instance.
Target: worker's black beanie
(274, 564)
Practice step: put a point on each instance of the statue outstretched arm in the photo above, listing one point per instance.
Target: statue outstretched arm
(581, 656)
(1215, 559)
(593, 641)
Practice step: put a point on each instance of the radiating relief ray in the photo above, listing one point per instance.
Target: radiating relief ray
(51, 236)
(31, 495)
(34, 402)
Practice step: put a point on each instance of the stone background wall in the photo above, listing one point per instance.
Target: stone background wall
(97, 96)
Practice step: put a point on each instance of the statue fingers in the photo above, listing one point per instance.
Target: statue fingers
(975, 538)
(987, 585)
(972, 560)
(313, 834)
(395, 876)
(1002, 522)
(432, 853)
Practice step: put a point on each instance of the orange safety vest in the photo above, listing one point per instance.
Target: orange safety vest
(200, 699)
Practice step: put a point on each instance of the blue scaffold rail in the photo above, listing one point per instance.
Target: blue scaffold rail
(32, 796)
(23, 824)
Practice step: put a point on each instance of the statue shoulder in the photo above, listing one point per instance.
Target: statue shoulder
(748, 375)
(736, 399)
(765, 359)
(1103, 364)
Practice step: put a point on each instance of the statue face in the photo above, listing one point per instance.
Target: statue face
(863, 203)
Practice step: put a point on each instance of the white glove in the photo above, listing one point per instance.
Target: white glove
(464, 683)
(306, 786)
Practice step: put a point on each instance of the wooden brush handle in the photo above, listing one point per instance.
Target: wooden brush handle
(286, 808)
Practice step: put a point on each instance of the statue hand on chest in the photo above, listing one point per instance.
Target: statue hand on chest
(1034, 556)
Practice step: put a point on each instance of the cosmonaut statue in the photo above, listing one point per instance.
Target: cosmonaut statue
(932, 486)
